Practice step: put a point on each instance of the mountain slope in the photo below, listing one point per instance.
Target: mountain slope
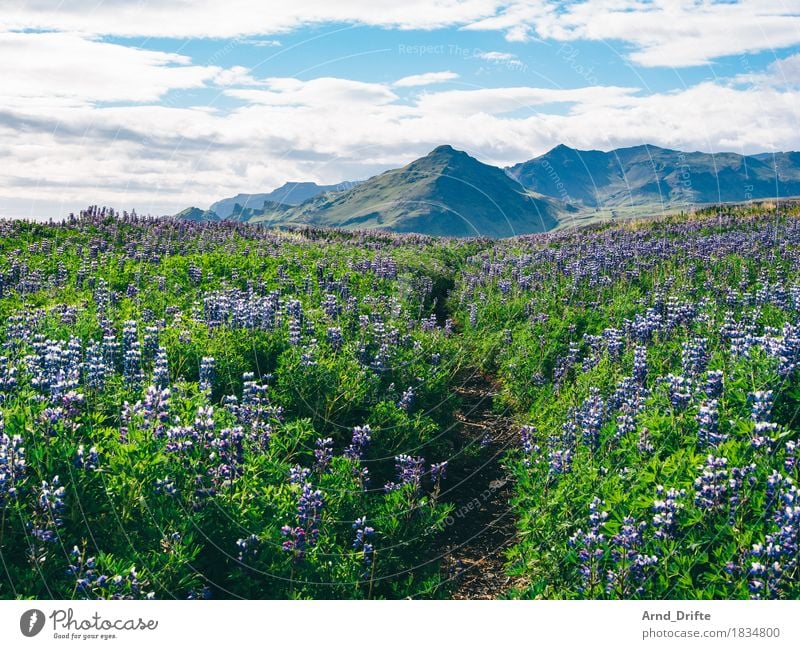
(196, 214)
(650, 175)
(291, 193)
(444, 193)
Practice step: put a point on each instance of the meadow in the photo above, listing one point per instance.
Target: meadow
(219, 410)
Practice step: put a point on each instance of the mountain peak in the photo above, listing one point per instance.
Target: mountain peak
(446, 192)
(447, 152)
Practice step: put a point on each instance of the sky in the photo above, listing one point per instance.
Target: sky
(156, 106)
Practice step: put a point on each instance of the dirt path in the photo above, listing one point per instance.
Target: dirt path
(482, 525)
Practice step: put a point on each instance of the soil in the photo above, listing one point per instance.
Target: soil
(482, 526)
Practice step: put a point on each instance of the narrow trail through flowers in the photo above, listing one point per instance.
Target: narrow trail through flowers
(482, 526)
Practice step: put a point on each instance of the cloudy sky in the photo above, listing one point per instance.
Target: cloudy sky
(164, 104)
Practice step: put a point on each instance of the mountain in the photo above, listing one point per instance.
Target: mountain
(196, 214)
(449, 193)
(446, 192)
(649, 175)
(292, 193)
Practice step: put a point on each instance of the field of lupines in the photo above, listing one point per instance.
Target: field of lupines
(195, 410)
(654, 369)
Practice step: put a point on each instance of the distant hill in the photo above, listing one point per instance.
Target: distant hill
(653, 176)
(446, 192)
(196, 214)
(292, 193)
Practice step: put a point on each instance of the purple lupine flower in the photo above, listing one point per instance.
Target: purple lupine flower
(84, 571)
(775, 482)
(527, 438)
(298, 474)
(665, 510)
(204, 423)
(777, 559)
(12, 464)
(323, 454)
(644, 444)
(626, 422)
(708, 425)
(87, 460)
(165, 486)
(248, 547)
(711, 487)
(406, 400)
(50, 506)
(438, 472)
(591, 417)
(409, 472)
(155, 409)
(473, 315)
(590, 546)
(680, 391)
(790, 457)
(714, 384)
(309, 515)
(761, 405)
(207, 373)
(204, 593)
(96, 368)
(335, 338)
(132, 366)
(719, 485)
(359, 444)
(362, 541)
(763, 433)
(150, 343)
(629, 565)
(161, 368)
(228, 455)
(560, 448)
(640, 364)
(694, 358)
(90, 583)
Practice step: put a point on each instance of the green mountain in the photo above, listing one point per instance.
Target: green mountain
(447, 193)
(291, 193)
(196, 214)
(650, 175)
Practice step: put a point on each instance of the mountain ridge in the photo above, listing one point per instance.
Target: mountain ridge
(450, 193)
(290, 193)
(652, 175)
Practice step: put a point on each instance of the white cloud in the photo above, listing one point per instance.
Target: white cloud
(261, 42)
(672, 33)
(210, 18)
(497, 101)
(497, 57)
(781, 73)
(162, 158)
(64, 68)
(84, 120)
(426, 79)
(655, 33)
(328, 92)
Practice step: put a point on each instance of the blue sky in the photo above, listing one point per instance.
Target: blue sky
(160, 105)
